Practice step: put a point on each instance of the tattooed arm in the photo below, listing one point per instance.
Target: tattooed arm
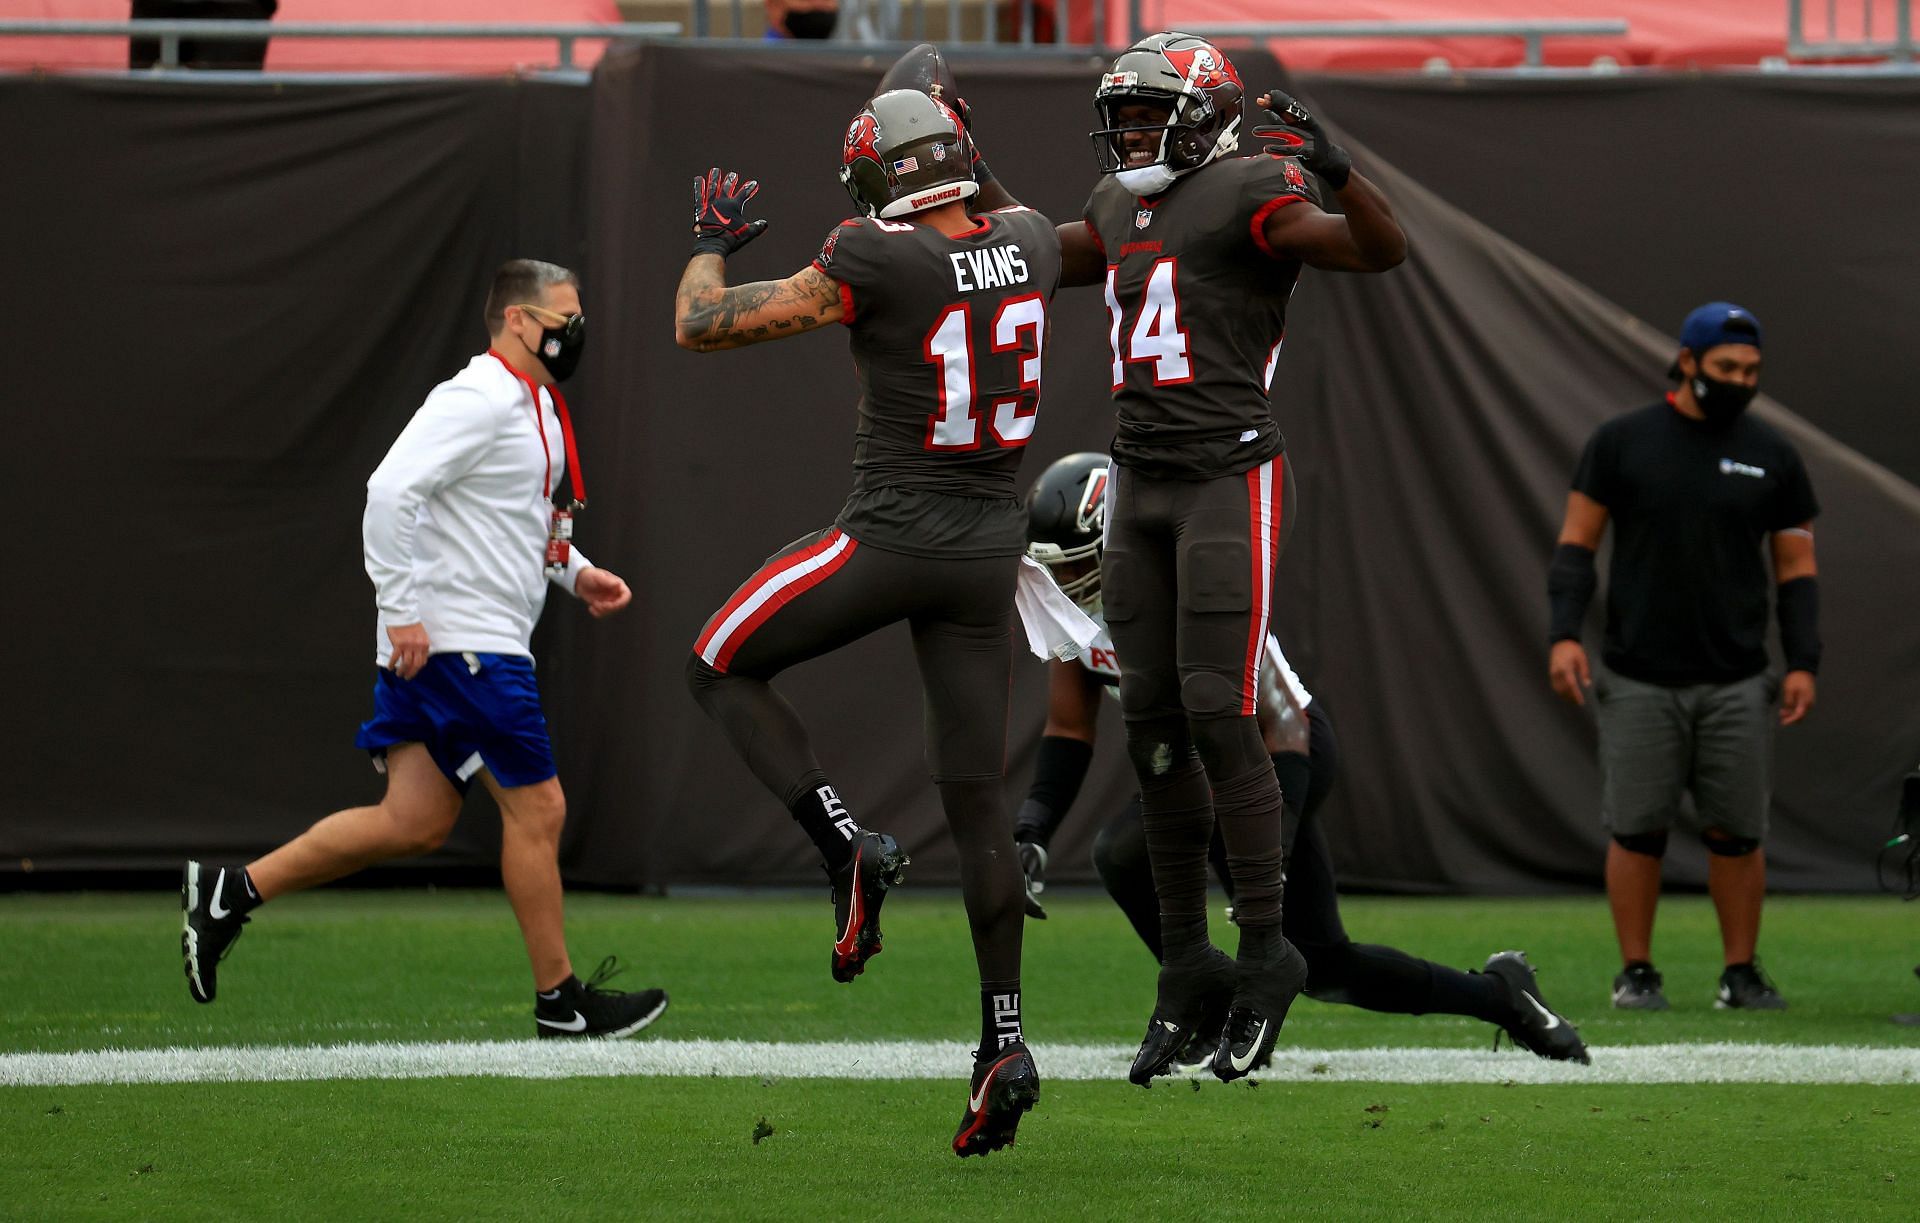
(709, 315)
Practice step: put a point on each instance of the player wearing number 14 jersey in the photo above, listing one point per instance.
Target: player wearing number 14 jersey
(1199, 249)
(947, 314)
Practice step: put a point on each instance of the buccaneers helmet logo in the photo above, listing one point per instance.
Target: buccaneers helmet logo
(1202, 67)
(862, 139)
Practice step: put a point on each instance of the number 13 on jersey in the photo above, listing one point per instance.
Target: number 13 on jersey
(1016, 335)
(1156, 335)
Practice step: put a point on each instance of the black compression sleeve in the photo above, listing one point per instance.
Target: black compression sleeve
(1797, 603)
(1057, 775)
(1570, 587)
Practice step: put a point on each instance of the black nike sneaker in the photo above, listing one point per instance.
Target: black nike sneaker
(589, 1009)
(1534, 1025)
(1004, 1086)
(1262, 995)
(1637, 988)
(1033, 868)
(210, 919)
(858, 890)
(1744, 987)
(1191, 1006)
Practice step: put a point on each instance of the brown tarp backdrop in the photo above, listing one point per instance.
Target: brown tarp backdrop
(229, 298)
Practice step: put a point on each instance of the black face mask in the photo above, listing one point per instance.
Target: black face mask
(560, 347)
(818, 24)
(1721, 402)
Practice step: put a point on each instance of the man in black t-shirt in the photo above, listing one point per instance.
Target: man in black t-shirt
(947, 315)
(1694, 488)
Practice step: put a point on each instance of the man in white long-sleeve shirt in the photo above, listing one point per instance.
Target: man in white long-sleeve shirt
(463, 531)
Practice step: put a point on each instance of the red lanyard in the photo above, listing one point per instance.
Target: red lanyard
(540, 423)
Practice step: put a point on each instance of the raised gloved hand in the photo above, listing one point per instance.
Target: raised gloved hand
(1296, 133)
(720, 224)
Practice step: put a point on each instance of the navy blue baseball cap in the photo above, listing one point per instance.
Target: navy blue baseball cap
(1714, 324)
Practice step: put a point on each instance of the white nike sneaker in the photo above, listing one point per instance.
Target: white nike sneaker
(211, 903)
(578, 1009)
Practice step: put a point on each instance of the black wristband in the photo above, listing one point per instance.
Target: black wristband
(1570, 585)
(1036, 822)
(713, 246)
(981, 174)
(1057, 774)
(1797, 604)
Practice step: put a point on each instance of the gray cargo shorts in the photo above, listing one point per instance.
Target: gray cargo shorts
(1656, 742)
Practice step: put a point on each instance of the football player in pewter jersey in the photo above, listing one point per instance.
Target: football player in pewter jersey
(947, 314)
(1064, 513)
(1200, 250)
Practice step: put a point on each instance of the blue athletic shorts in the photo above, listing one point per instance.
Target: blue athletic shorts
(471, 711)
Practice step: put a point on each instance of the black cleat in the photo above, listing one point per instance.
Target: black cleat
(1262, 995)
(1003, 1087)
(1033, 867)
(1637, 988)
(858, 890)
(1191, 1006)
(1535, 1025)
(209, 922)
(585, 1009)
(1744, 987)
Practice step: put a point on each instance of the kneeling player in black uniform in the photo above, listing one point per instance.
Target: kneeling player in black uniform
(1064, 512)
(947, 313)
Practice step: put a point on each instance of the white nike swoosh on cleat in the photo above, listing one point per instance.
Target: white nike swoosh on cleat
(577, 1024)
(978, 1100)
(1552, 1020)
(213, 906)
(1240, 1064)
(1171, 1027)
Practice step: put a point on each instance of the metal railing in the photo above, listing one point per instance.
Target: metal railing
(1532, 34)
(861, 21)
(1897, 46)
(171, 33)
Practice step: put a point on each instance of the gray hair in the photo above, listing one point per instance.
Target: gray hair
(522, 280)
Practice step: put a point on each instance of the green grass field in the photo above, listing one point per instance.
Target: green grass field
(98, 972)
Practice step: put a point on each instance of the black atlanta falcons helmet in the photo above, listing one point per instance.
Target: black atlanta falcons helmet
(1186, 74)
(905, 152)
(1066, 519)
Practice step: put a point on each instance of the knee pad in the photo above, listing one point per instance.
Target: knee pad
(1158, 747)
(1229, 746)
(1652, 844)
(1209, 695)
(1721, 845)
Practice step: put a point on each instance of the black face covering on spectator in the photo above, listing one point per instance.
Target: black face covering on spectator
(816, 24)
(1720, 401)
(560, 347)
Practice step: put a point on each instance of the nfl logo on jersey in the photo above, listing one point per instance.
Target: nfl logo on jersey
(1143, 218)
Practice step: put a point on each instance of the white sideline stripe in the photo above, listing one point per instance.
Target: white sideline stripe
(532, 1059)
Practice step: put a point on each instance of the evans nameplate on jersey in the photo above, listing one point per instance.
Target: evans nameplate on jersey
(992, 267)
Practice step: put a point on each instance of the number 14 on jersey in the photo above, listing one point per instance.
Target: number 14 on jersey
(1156, 334)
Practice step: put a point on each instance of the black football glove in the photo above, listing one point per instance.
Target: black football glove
(1296, 133)
(720, 225)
